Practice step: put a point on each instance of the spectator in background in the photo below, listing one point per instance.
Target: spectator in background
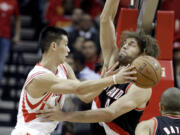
(83, 71)
(76, 16)
(92, 7)
(86, 30)
(8, 9)
(89, 49)
(78, 44)
(67, 129)
(59, 12)
(37, 8)
(77, 62)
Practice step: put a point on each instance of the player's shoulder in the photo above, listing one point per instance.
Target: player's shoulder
(146, 125)
(144, 94)
(134, 86)
(39, 69)
(136, 89)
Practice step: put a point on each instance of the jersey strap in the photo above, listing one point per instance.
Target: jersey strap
(155, 126)
(98, 102)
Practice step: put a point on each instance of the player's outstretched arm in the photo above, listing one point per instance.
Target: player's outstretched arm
(107, 31)
(145, 128)
(49, 82)
(134, 98)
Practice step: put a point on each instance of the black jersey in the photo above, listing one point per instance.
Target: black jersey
(167, 125)
(126, 123)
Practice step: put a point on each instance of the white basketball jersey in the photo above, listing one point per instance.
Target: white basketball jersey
(27, 122)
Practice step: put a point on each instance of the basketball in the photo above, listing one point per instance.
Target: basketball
(148, 71)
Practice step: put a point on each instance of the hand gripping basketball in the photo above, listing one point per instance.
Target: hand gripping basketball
(125, 75)
(148, 71)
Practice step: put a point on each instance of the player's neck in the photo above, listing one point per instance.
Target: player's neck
(49, 63)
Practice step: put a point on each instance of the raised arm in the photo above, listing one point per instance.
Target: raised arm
(107, 30)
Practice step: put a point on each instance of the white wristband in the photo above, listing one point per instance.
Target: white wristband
(114, 79)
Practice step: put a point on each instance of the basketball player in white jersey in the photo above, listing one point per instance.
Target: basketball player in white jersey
(50, 78)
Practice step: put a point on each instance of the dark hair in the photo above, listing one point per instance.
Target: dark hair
(146, 43)
(79, 57)
(48, 35)
(170, 101)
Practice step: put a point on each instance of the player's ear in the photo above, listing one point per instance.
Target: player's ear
(53, 45)
(161, 108)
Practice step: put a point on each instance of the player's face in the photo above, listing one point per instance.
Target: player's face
(62, 49)
(129, 51)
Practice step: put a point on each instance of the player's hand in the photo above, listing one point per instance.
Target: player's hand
(51, 115)
(16, 39)
(125, 75)
(110, 71)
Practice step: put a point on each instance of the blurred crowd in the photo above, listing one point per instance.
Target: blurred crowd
(80, 18)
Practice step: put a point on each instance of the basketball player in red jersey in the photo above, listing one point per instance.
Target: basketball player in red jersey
(51, 78)
(169, 121)
(121, 105)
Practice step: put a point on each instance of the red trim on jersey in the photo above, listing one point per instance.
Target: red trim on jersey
(42, 107)
(173, 117)
(27, 116)
(140, 109)
(59, 98)
(38, 64)
(32, 76)
(155, 126)
(31, 116)
(65, 70)
(98, 102)
(117, 128)
(128, 87)
(56, 72)
(32, 106)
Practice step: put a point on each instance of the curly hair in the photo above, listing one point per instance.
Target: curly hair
(146, 43)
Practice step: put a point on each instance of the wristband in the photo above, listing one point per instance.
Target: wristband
(114, 79)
